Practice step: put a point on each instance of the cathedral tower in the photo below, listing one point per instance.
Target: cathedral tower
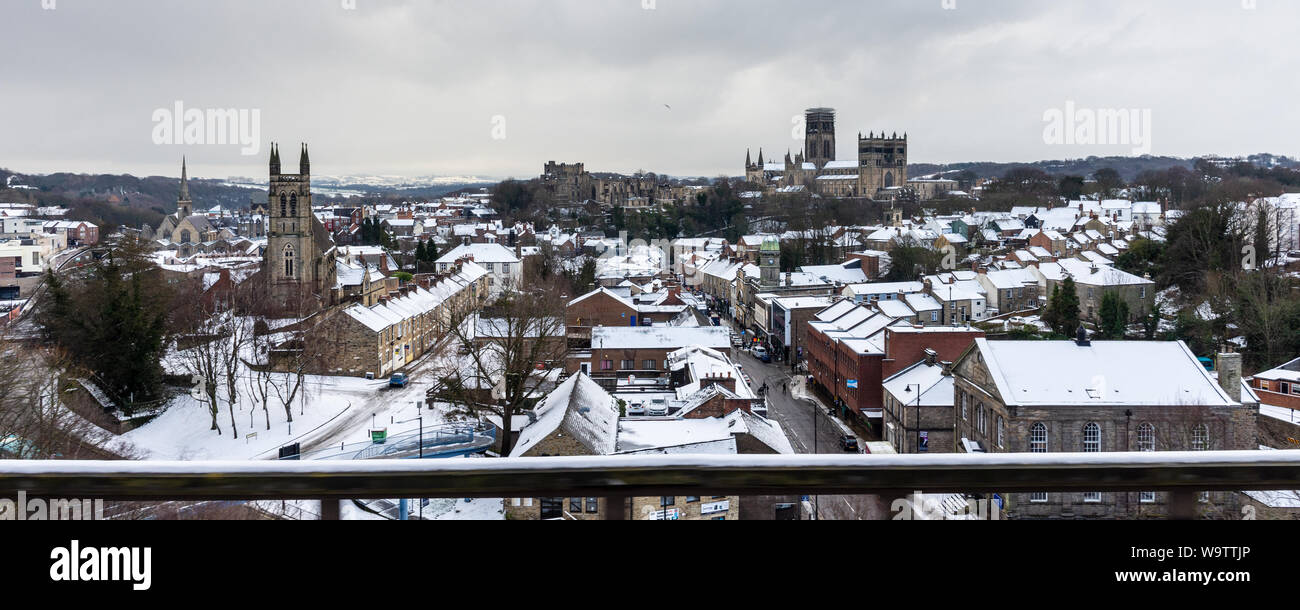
(819, 138)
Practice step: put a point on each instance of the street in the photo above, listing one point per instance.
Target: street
(803, 422)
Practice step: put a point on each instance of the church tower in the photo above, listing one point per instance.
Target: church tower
(184, 207)
(819, 138)
(297, 267)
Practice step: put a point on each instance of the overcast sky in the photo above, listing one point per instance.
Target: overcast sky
(495, 88)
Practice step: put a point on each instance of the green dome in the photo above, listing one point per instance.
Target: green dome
(770, 244)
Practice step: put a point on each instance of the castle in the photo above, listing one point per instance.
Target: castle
(298, 265)
(879, 172)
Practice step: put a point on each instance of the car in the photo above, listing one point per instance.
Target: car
(658, 408)
(636, 409)
(849, 443)
(398, 380)
(761, 353)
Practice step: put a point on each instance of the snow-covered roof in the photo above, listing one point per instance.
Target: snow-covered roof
(659, 337)
(579, 407)
(1062, 373)
(481, 253)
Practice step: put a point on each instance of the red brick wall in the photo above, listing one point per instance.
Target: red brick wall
(599, 310)
(1270, 393)
(905, 349)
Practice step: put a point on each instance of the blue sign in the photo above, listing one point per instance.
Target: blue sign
(853, 384)
(998, 499)
(805, 498)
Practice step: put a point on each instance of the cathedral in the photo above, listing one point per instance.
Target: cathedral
(298, 265)
(878, 172)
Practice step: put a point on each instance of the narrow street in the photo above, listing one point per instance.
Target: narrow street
(803, 421)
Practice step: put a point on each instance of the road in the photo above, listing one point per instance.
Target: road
(803, 422)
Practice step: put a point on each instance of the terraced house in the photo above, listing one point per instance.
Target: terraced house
(402, 327)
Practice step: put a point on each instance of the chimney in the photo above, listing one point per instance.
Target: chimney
(947, 369)
(931, 357)
(1229, 367)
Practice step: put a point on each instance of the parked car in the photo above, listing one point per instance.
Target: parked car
(658, 408)
(761, 353)
(849, 444)
(636, 409)
(398, 380)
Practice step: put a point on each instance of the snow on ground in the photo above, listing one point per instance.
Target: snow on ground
(333, 410)
(1282, 413)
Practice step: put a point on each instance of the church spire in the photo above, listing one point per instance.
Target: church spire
(760, 156)
(185, 182)
(748, 161)
(304, 163)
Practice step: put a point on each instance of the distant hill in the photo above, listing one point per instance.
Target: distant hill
(1128, 167)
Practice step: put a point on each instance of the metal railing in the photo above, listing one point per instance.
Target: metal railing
(1181, 474)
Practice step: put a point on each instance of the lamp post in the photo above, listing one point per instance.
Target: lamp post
(917, 419)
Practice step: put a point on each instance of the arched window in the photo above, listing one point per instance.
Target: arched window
(1091, 438)
(1038, 438)
(965, 401)
(284, 210)
(293, 204)
(1146, 437)
(889, 179)
(1001, 432)
(981, 420)
(185, 236)
(288, 260)
(1200, 437)
(1146, 442)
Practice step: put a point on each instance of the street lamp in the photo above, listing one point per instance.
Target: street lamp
(917, 446)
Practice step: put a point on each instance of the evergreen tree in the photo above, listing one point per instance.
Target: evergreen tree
(1114, 316)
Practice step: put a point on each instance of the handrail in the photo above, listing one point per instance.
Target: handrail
(623, 476)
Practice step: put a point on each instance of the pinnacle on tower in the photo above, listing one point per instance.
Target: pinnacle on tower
(748, 163)
(760, 156)
(304, 164)
(275, 158)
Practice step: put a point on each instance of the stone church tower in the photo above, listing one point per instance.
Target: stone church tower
(819, 136)
(299, 262)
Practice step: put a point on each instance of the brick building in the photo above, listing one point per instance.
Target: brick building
(853, 348)
(1279, 387)
(619, 351)
(1083, 397)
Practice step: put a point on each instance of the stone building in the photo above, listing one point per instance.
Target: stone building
(299, 262)
(1084, 397)
(880, 165)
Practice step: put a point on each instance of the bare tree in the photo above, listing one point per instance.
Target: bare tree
(506, 353)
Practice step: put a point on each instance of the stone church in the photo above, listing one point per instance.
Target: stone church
(185, 229)
(878, 172)
(298, 266)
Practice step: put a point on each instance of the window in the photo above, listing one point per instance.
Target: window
(1001, 432)
(284, 209)
(667, 500)
(606, 365)
(1200, 437)
(505, 267)
(965, 400)
(1091, 438)
(934, 316)
(628, 365)
(575, 505)
(690, 499)
(552, 508)
(293, 204)
(1038, 438)
(593, 505)
(649, 365)
(1146, 437)
(288, 260)
(981, 419)
(1092, 444)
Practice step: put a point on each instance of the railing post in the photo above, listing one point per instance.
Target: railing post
(615, 509)
(1182, 505)
(329, 510)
